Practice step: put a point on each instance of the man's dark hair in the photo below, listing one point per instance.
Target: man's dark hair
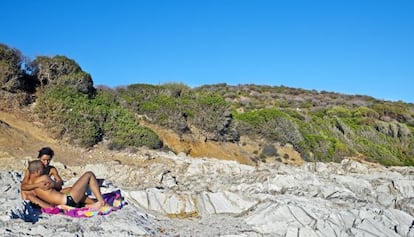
(46, 151)
(35, 165)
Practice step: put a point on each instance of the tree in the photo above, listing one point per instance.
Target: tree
(62, 71)
(11, 75)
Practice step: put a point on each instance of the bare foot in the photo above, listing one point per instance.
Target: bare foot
(64, 207)
(95, 205)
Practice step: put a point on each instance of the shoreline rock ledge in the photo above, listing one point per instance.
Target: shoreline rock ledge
(183, 196)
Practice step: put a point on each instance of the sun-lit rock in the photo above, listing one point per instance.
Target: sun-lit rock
(174, 195)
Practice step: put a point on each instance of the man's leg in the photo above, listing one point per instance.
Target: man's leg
(79, 188)
(65, 190)
(85, 200)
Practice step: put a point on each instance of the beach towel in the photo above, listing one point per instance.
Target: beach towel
(113, 201)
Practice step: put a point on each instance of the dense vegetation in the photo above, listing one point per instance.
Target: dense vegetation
(324, 126)
(68, 104)
(177, 107)
(85, 120)
(319, 125)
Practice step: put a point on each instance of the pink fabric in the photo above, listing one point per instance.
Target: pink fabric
(113, 201)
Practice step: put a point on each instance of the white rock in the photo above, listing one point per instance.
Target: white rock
(200, 197)
(224, 203)
(404, 187)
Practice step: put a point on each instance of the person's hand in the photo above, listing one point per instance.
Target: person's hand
(46, 185)
(49, 185)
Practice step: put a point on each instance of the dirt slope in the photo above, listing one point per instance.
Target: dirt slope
(21, 138)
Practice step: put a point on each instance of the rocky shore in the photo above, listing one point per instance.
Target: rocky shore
(176, 195)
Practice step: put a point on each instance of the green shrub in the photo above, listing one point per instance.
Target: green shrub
(339, 111)
(175, 106)
(365, 112)
(124, 131)
(66, 112)
(272, 124)
(85, 121)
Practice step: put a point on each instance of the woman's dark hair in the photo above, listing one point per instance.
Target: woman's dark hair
(46, 151)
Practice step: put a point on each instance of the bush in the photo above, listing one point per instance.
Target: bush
(272, 124)
(62, 72)
(339, 111)
(212, 114)
(13, 76)
(85, 121)
(176, 107)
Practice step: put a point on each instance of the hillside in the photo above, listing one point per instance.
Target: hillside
(177, 195)
(21, 139)
(52, 101)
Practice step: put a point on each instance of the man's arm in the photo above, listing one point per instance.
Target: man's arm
(44, 179)
(50, 196)
(25, 185)
(58, 180)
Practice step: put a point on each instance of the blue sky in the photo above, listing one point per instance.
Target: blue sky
(352, 47)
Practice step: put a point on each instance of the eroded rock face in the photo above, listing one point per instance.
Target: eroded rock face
(178, 195)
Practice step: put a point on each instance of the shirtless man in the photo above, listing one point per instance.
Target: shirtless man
(45, 156)
(50, 197)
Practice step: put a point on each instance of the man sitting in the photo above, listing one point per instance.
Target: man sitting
(45, 156)
(47, 196)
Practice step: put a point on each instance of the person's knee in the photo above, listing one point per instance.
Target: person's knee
(90, 173)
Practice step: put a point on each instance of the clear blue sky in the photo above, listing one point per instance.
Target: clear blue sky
(346, 46)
